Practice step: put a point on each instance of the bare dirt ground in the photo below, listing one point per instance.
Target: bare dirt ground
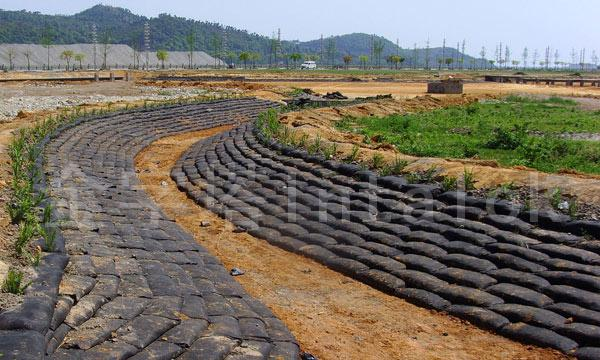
(332, 316)
(409, 90)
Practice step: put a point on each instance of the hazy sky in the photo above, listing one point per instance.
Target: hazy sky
(562, 24)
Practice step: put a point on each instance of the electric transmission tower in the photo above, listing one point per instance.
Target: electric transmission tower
(95, 42)
(147, 44)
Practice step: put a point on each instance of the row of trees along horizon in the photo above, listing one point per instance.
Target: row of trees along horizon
(278, 55)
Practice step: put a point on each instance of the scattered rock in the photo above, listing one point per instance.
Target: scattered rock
(237, 272)
(564, 205)
(205, 223)
(307, 356)
(239, 230)
(163, 183)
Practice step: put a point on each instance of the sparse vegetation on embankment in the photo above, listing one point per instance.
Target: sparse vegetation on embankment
(513, 131)
(29, 206)
(553, 199)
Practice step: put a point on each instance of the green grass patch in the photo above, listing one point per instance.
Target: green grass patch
(514, 131)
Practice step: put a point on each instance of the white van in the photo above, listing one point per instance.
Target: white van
(308, 65)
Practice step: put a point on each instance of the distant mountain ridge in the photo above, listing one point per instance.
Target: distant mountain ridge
(120, 26)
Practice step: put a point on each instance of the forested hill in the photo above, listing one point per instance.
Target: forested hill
(121, 26)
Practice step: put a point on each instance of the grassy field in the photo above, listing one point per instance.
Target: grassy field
(514, 131)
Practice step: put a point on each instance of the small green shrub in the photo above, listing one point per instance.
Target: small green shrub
(468, 180)
(555, 198)
(398, 166)
(49, 235)
(377, 161)
(47, 214)
(27, 230)
(469, 151)
(422, 177)
(316, 145)
(505, 139)
(330, 151)
(13, 283)
(449, 183)
(503, 192)
(303, 140)
(573, 209)
(354, 153)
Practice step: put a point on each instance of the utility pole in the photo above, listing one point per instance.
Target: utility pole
(95, 42)
(278, 50)
(322, 49)
(147, 44)
(372, 49)
(427, 55)
(440, 63)
(462, 56)
(457, 55)
(415, 57)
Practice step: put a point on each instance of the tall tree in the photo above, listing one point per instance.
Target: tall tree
(395, 60)
(378, 47)
(11, 53)
(364, 59)
(216, 45)
(79, 58)
(106, 45)
(295, 57)
(27, 53)
(162, 56)
(347, 60)
(47, 40)
(255, 58)
(245, 57)
(525, 55)
(507, 55)
(556, 59)
(136, 44)
(190, 40)
(67, 55)
(448, 62)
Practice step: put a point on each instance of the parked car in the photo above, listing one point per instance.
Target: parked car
(308, 65)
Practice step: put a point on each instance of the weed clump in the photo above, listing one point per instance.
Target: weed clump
(13, 283)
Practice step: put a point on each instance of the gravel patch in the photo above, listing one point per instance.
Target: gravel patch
(10, 107)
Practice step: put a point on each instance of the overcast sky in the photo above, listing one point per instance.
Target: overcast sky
(561, 24)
